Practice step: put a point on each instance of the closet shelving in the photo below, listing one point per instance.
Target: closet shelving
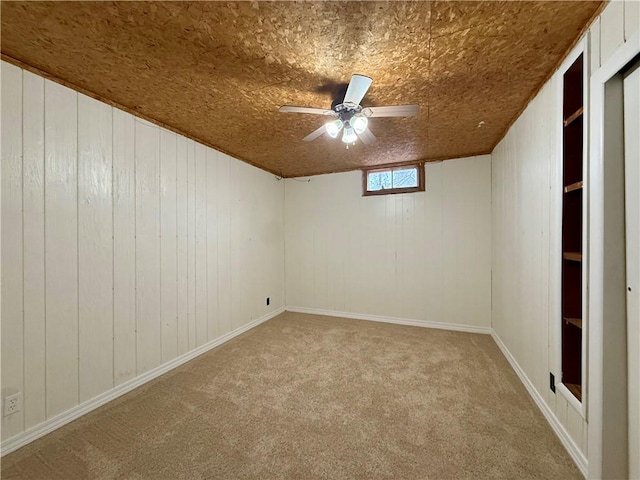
(572, 231)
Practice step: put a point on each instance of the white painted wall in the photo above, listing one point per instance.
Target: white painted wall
(526, 225)
(524, 317)
(123, 246)
(419, 256)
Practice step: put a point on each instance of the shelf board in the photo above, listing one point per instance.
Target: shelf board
(573, 256)
(573, 321)
(575, 389)
(571, 118)
(573, 186)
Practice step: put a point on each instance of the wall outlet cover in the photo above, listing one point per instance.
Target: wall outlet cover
(12, 404)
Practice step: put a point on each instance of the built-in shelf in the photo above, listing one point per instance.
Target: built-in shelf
(572, 256)
(575, 389)
(573, 207)
(573, 321)
(574, 116)
(573, 187)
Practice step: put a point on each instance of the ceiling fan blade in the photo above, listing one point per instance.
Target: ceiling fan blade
(394, 111)
(314, 111)
(315, 134)
(367, 137)
(357, 89)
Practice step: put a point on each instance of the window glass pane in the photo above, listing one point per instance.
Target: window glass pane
(405, 178)
(378, 180)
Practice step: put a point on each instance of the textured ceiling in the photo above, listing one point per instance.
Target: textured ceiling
(217, 72)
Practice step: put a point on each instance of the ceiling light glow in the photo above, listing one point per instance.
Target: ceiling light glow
(359, 123)
(349, 136)
(333, 128)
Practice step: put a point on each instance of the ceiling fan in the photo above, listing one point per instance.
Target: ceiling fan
(349, 116)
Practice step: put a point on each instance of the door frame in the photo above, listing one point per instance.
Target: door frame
(620, 58)
(632, 215)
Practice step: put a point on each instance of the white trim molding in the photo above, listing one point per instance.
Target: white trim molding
(396, 320)
(555, 253)
(566, 440)
(76, 412)
(620, 58)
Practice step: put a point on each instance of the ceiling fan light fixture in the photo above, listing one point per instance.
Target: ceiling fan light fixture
(333, 127)
(349, 136)
(359, 123)
(349, 116)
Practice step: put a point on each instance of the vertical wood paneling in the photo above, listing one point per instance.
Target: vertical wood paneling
(12, 241)
(631, 18)
(255, 270)
(541, 355)
(562, 410)
(411, 277)
(33, 217)
(305, 280)
(332, 265)
(224, 244)
(322, 272)
(432, 293)
(351, 243)
(61, 266)
(249, 192)
(255, 280)
(424, 256)
(191, 242)
(242, 253)
(397, 269)
(168, 245)
(124, 247)
(128, 234)
(594, 45)
(574, 426)
(336, 263)
(236, 247)
(201, 244)
(95, 247)
(526, 226)
(275, 253)
(182, 246)
(212, 245)
(147, 246)
(466, 264)
(483, 243)
(611, 29)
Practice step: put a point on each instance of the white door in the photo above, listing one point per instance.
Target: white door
(632, 214)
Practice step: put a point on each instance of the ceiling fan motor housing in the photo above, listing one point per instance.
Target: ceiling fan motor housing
(346, 111)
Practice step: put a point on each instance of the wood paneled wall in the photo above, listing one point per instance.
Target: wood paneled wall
(526, 285)
(419, 256)
(123, 246)
(524, 175)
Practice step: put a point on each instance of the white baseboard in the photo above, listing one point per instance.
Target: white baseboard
(58, 421)
(396, 320)
(566, 440)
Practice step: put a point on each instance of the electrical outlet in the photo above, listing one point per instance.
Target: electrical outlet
(552, 382)
(267, 301)
(12, 404)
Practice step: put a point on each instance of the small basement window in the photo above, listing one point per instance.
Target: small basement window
(400, 179)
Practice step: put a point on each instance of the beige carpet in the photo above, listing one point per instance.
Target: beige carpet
(306, 397)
